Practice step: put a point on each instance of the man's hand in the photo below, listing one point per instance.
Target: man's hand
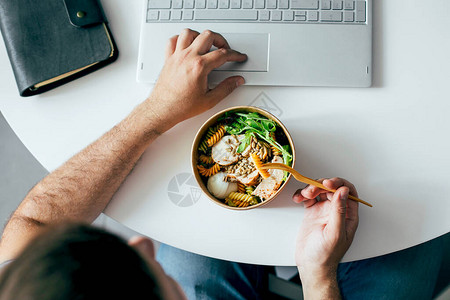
(182, 88)
(327, 232)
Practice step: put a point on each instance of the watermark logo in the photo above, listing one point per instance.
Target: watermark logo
(183, 190)
(263, 101)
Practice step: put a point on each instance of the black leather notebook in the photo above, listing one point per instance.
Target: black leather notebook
(51, 42)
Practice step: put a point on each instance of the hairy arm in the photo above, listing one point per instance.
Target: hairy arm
(82, 187)
(324, 286)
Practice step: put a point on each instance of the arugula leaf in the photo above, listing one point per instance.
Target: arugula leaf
(235, 128)
(245, 142)
(287, 159)
(268, 125)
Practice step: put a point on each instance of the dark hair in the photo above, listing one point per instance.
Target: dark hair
(74, 261)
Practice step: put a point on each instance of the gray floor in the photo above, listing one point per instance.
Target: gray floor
(19, 172)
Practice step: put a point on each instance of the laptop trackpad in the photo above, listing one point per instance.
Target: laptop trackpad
(255, 45)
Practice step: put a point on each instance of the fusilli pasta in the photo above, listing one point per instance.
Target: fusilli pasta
(249, 189)
(242, 197)
(204, 144)
(205, 159)
(220, 132)
(207, 172)
(236, 203)
(257, 161)
(241, 187)
(274, 150)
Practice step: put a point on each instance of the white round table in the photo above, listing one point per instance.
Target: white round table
(390, 140)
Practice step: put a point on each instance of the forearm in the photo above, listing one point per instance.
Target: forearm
(81, 188)
(320, 287)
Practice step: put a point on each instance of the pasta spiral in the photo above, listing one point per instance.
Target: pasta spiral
(263, 153)
(207, 172)
(242, 197)
(249, 189)
(274, 150)
(220, 132)
(203, 147)
(241, 187)
(204, 144)
(236, 203)
(205, 159)
(264, 173)
(240, 200)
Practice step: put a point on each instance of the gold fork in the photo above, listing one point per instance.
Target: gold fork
(306, 180)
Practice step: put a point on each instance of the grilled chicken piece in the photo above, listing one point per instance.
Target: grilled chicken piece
(224, 151)
(278, 174)
(269, 186)
(250, 179)
(243, 171)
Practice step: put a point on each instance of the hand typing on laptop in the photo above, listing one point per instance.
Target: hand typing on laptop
(51, 258)
(182, 88)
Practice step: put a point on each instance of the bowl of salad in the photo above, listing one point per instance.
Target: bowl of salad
(228, 150)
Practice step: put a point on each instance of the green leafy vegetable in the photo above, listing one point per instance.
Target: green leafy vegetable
(287, 159)
(253, 124)
(245, 142)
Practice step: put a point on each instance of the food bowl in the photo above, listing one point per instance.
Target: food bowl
(212, 122)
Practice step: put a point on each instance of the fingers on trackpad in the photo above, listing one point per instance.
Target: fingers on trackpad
(255, 45)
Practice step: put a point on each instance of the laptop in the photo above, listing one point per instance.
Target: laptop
(288, 42)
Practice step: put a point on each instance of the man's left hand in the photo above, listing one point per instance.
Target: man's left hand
(182, 88)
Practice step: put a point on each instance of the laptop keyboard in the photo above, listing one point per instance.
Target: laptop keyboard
(278, 11)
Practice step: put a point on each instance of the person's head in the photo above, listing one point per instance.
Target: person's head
(73, 261)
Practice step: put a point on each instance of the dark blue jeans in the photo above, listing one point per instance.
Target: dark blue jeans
(407, 274)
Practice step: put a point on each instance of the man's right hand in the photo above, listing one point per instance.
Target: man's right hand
(327, 231)
(181, 91)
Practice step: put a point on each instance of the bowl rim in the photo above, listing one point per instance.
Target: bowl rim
(209, 122)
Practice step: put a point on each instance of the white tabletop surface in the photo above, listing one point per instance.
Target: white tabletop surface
(391, 140)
